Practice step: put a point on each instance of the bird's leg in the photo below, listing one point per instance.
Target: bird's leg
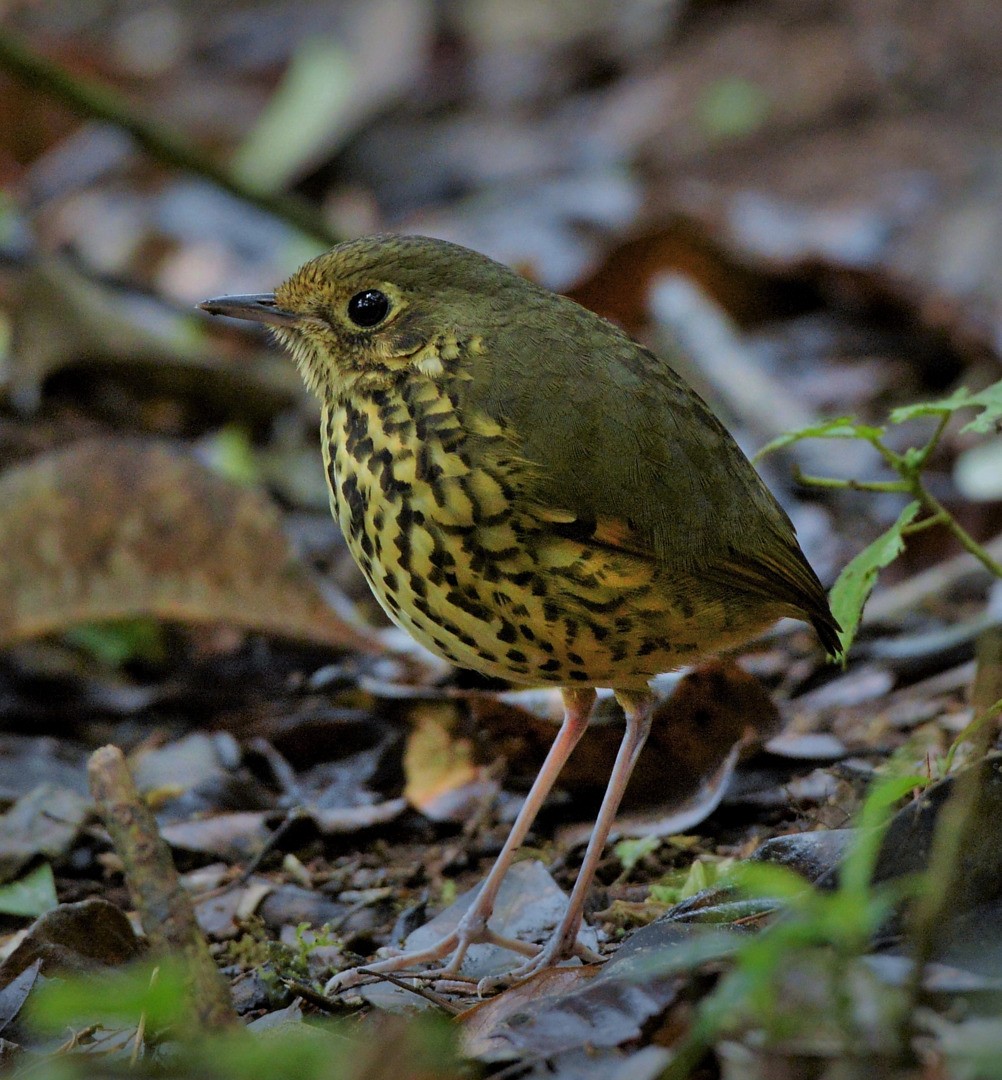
(472, 928)
(639, 709)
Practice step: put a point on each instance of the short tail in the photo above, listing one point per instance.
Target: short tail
(826, 626)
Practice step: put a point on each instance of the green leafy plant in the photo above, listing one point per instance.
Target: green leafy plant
(923, 511)
(817, 934)
(703, 872)
(147, 1007)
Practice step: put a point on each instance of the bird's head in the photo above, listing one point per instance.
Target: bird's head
(373, 309)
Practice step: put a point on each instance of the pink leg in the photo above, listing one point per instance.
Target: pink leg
(639, 709)
(473, 927)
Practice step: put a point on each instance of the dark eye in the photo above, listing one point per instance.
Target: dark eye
(368, 308)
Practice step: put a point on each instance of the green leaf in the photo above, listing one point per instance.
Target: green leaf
(703, 873)
(116, 643)
(843, 427)
(313, 98)
(121, 997)
(855, 583)
(732, 107)
(32, 895)
(769, 881)
(988, 400)
(959, 399)
(630, 852)
(871, 824)
(230, 453)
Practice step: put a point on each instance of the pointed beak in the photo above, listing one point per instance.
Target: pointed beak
(259, 307)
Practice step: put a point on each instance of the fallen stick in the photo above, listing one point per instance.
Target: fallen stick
(165, 910)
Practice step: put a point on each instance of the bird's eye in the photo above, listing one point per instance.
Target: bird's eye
(368, 307)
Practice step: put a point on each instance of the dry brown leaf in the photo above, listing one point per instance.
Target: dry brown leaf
(442, 778)
(111, 529)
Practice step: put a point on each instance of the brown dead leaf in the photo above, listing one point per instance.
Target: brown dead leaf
(566, 1008)
(113, 529)
(232, 837)
(714, 707)
(75, 938)
(619, 288)
(442, 778)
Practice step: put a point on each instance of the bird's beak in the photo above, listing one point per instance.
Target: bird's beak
(259, 307)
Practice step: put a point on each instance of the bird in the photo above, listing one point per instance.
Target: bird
(535, 496)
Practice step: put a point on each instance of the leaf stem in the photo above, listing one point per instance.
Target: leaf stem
(925, 523)
(923, 454)
(963, 537)
(850, 484)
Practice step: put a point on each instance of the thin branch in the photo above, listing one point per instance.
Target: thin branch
(898, 486)
(964, 538)
(925, 523)
(933, 442)
(95, 101)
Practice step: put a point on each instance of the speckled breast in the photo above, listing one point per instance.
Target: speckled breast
(431, 507)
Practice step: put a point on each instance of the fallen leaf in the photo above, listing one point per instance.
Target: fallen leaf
(75, 938)
(45, 823)
(712, 709)
(232, 837)
(15, 994)
(114, 529)
(33, 894)
(442, 779)
(567, 1008)
(529, 906)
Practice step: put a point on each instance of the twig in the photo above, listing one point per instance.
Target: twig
(292, 817)
(90, 99)
(330, 1005)
(964, 538)
(164, 908)
(421, 991)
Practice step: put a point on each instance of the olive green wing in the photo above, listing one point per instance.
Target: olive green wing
(626, 454)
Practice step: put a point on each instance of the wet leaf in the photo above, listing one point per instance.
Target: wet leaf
(118, 529)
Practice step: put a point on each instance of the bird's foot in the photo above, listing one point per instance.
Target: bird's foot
(453, 946)
(554, 952)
